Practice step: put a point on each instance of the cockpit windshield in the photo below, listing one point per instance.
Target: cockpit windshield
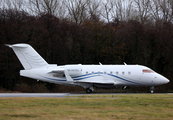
(147, 71)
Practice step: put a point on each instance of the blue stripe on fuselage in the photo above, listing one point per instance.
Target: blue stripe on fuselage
(88, 76)
(122, 79)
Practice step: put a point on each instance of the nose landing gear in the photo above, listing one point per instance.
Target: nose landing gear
(152, 89)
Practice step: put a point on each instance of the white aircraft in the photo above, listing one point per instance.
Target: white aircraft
(87, 76)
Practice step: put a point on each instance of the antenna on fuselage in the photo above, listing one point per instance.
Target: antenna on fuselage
(100, 63)
(125, 63)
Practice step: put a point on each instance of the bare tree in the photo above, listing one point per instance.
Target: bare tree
(143, 7)
(164, 5)
(93, 8)
(34, 6)
(119, 9)
(49, 6)
(8, 4)
(77, 10)
(46, 6)
(106, 10)
(155, 10)
(167, 9)
(61, 10)
(161, 10)
(18, 4)
(13, 4)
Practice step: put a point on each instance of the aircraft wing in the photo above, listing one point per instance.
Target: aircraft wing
(102, 82)
(61, 71)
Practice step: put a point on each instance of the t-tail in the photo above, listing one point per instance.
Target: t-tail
(28, 57)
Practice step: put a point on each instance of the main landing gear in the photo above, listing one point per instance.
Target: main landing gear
(88, 90)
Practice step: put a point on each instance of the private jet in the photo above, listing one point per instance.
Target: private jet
(86, 76)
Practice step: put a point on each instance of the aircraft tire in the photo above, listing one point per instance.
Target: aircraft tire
(152, 89)
(88, 90)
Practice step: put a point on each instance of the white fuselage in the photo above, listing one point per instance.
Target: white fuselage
(98, 75)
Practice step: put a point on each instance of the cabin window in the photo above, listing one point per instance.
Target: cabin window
(129, 73)
(99, 72)
(92, 72)
(123, 73)
(105, 73)
(116, 73)
(87, 72)
(111, 72)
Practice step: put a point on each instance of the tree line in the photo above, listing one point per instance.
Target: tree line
(86, 40)
(79, 10)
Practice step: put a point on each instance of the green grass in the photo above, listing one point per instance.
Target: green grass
(143, 106)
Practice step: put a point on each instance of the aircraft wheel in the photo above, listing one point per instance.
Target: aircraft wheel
(152, 89)
(88, 90)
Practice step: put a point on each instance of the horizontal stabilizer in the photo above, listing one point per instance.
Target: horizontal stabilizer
(17, 45)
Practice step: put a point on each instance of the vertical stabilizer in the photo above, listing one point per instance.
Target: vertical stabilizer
(28, 57)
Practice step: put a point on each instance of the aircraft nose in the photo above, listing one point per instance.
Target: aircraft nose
(161, 80)
(165, 80)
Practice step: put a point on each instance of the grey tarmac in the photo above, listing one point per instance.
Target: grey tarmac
(63, 94)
